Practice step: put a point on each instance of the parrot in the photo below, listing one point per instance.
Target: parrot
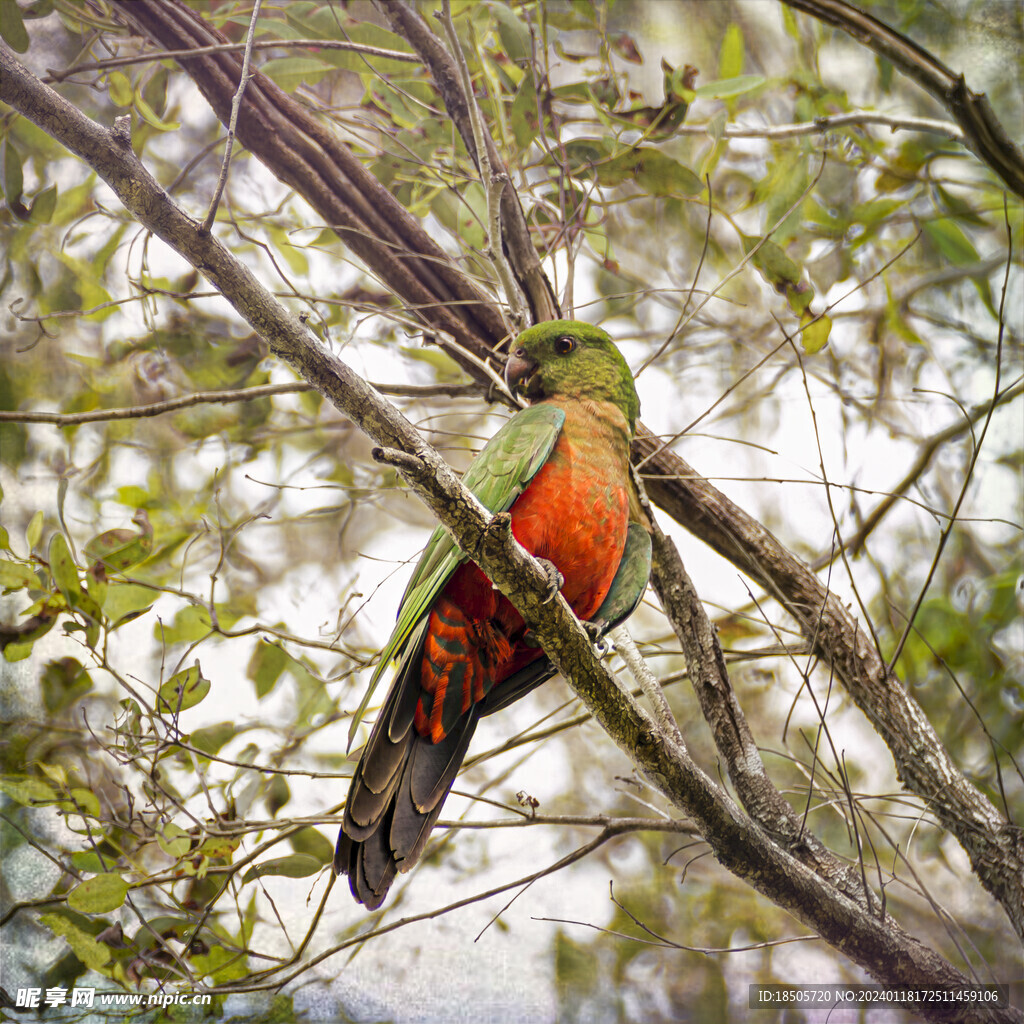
(560, 468)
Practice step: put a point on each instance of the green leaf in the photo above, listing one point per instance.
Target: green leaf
(291, 72)
(950, 240)
(19, 650)
(190, 624)
(211, 738)
(28, 790)
(296, 865)
(64, 570)
(63, 681)
(13, 180)
(121, 548)
(278, 794)
(88, 862)
(651, 169)
(99, 895)
(45, 202)
(267, 663)
(93, 954)
(512, 31)
(183, 690)
(775, 264)
(12, 28)
(34, 531)
(16, 575)
(120, 89)
(728, 87)
(81, 802)
(293, 256)
(730, 56)
(313, 843)
(174, 840)
(133, 496)
(126, 601)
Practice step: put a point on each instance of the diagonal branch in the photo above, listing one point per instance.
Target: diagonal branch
(995, 846)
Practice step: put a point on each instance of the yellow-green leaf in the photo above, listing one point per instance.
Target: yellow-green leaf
(45, 202)
(64, 570)
(120, 89)
(82, 802)
(814, 332)
(150, 116)
(183, 690)
(297, 865)
(35, 530)
(121, 548)
(124, 602)
(729, 87)
(99, 895)
(28, 789)
(93, 954)
(730, 56)
(56, 772)
(291, 72)
(16, 575)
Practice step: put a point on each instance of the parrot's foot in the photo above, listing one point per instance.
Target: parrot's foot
(555, 579)
(596, 629)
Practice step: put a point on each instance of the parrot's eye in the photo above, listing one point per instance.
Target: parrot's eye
(564, 345)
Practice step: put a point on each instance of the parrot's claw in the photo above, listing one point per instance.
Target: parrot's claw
(596, 629)
(555, 579)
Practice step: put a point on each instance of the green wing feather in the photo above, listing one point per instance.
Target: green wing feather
(497, 476)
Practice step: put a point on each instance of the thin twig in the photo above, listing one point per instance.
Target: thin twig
(131, 412)
(976, 451)
(493, 182)
(259, 44)
(236, 105)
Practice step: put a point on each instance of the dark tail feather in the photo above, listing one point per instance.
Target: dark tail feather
(397, 794)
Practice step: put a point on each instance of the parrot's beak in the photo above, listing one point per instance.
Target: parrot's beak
(519, 373)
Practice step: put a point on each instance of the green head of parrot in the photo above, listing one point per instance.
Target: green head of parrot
(570, 359)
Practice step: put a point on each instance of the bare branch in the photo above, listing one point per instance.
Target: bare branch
(236, 105)
(132, 412)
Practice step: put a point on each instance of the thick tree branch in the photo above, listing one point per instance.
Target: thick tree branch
(983, 132)
(877, 943)
(733, 737)
(995, 847)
